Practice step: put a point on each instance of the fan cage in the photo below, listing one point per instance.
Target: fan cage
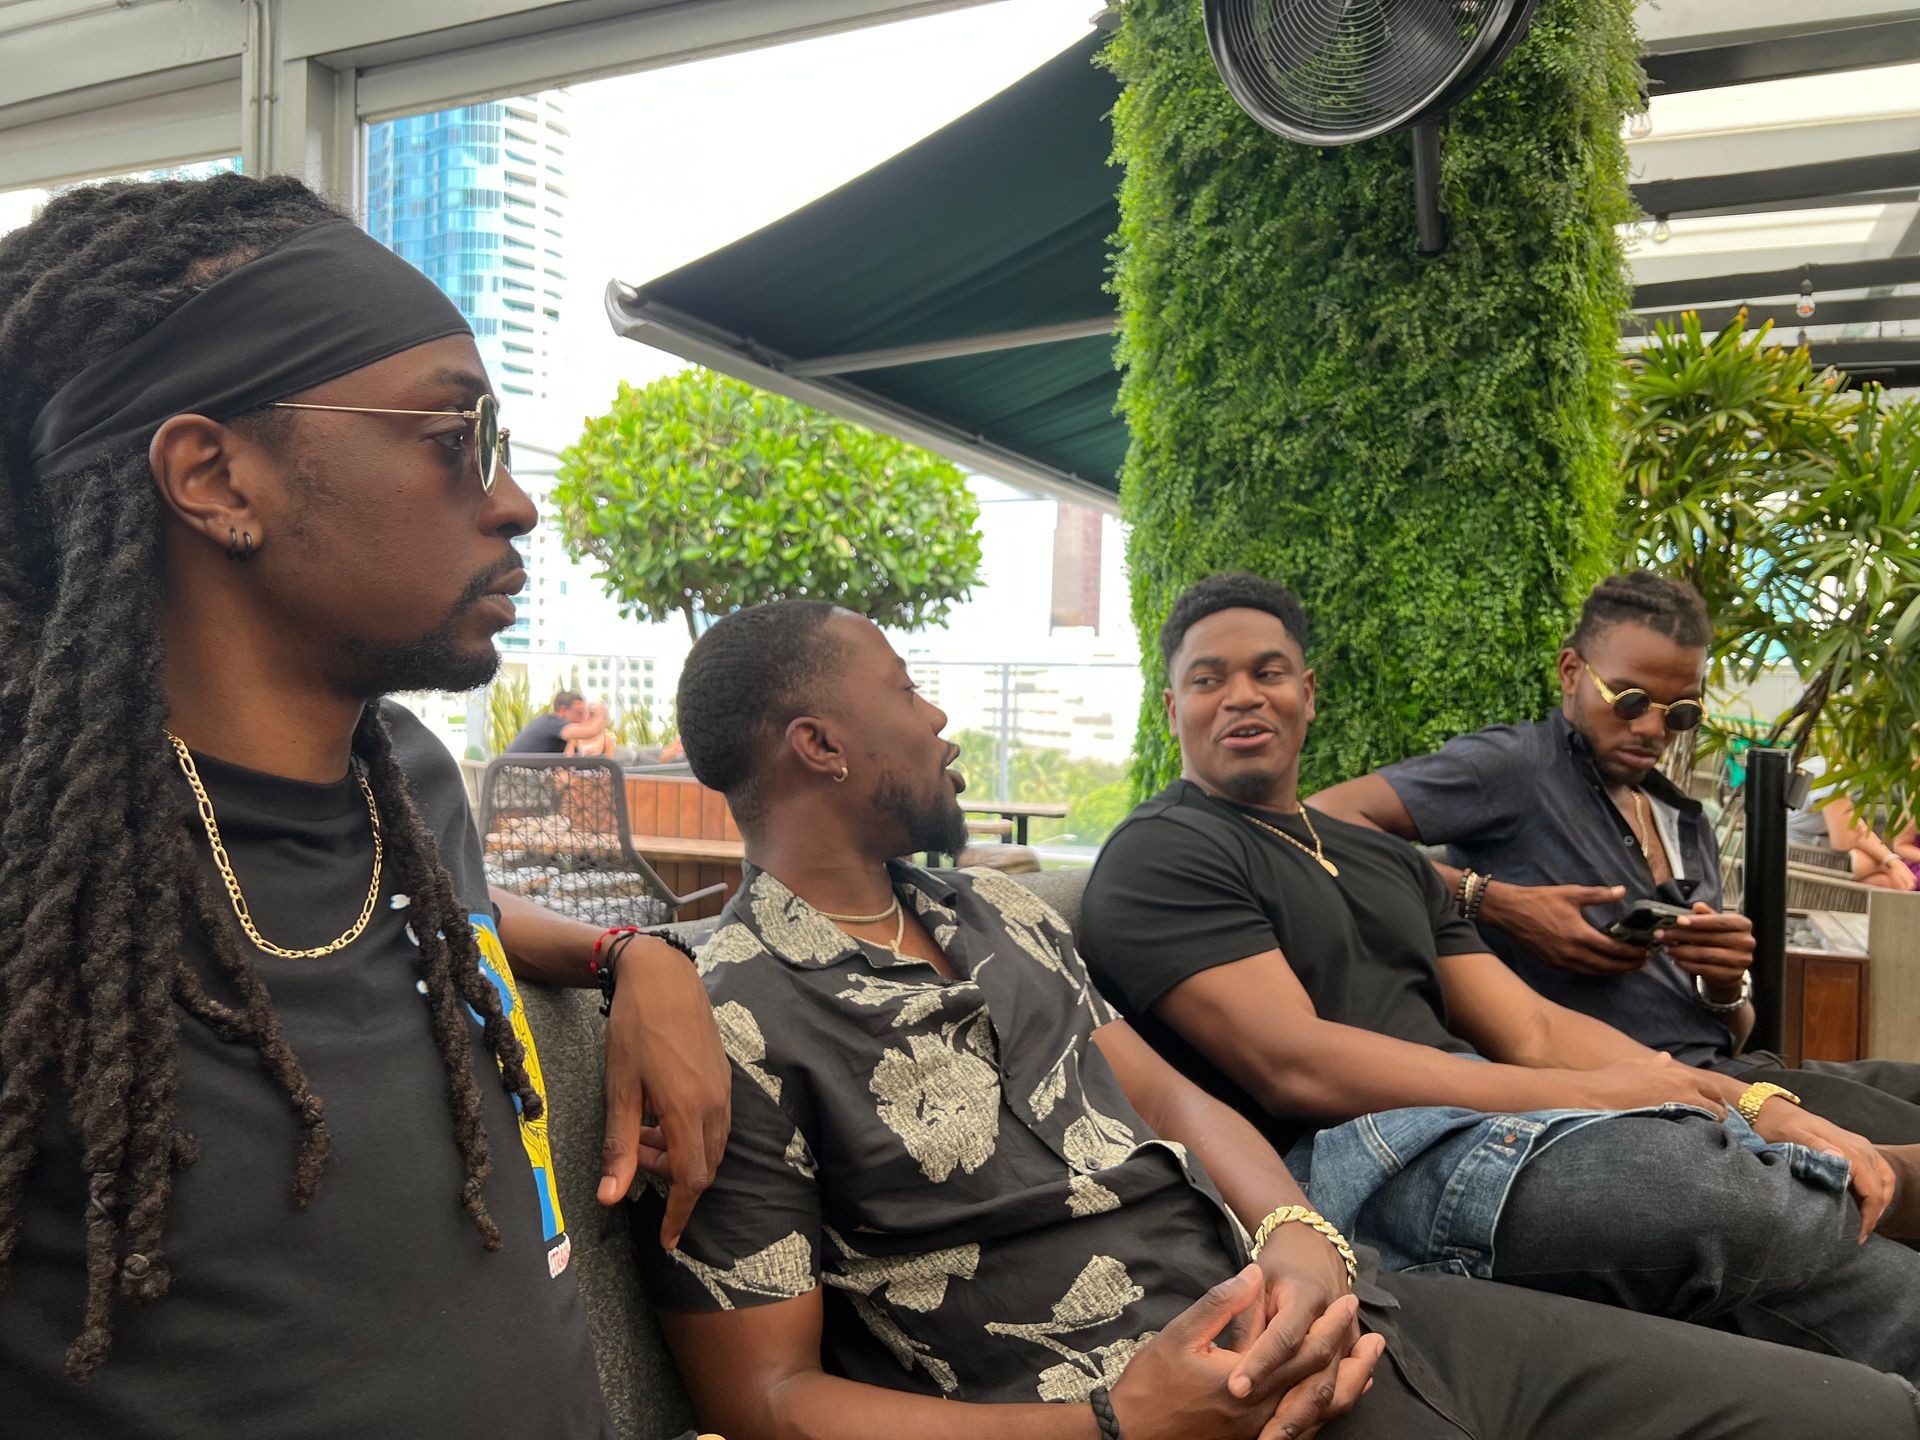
(1333, 72)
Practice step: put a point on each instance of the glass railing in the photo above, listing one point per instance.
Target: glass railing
(1040, 738)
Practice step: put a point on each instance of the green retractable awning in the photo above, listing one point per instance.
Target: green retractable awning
(953, 295)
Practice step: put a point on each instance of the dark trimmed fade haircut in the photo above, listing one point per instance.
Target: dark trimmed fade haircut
(102, 875)
(745, 680)
(1668, 607)
(1236, 590)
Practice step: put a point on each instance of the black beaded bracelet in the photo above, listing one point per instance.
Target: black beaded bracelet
(1102, 1402)
(606, 971)
(1479, 896)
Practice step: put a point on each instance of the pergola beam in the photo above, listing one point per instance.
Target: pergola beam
(1822, 52)
(1829, 312)
(1854, 275)
(1748, 189)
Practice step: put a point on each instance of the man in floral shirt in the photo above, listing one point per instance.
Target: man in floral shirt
(955, 1176)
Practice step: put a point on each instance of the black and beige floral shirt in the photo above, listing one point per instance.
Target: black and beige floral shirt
(953, 1159)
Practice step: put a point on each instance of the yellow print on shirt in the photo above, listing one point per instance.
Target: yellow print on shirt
(533, 1130)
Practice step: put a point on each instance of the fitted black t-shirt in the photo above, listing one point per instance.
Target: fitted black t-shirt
(541, 736)
(1187, 883)
(375, 1311)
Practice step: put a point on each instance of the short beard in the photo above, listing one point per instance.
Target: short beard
(433, 661)
(934, 828)
(1251, 787)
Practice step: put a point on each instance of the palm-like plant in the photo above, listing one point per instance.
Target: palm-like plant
(1789, 503)
(509, 708)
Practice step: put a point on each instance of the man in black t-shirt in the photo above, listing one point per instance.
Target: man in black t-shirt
(274, 1157)
(1311, 973)
(549, 733)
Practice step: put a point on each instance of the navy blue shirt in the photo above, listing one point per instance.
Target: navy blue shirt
(1525, 804)
(541, 736)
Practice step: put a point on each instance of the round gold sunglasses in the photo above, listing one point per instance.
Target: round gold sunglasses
(492, 447)
(1631, 704)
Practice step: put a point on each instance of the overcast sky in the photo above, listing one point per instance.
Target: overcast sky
(671, 164)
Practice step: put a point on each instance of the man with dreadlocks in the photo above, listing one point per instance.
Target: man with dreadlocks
(1555, 830)
(251, 479)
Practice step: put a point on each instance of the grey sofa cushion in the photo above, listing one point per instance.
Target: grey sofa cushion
(636, 1373)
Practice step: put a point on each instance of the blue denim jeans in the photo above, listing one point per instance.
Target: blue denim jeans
(1676, 1217)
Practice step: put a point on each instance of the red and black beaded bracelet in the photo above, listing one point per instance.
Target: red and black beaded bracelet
(605, 972)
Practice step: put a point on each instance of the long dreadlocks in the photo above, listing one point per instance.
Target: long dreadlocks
(101, 878)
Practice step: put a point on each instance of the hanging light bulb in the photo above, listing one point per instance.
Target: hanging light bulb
(1640, 124)
(1662, 230)
(1804, 307)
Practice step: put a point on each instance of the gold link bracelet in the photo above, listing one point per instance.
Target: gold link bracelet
(1314, 1220)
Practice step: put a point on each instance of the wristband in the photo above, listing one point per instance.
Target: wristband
(605, 972)
(1102, 1401)
(1479, 896)
(1313, 1219)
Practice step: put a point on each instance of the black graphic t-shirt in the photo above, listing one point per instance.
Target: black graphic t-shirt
(375, 1311)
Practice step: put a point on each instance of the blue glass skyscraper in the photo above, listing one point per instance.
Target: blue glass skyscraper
(476, 197)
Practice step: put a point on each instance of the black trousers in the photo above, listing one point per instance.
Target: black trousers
(1879, 1099)
(1479, 1360)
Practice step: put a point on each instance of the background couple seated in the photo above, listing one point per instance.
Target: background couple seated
(955, 1174)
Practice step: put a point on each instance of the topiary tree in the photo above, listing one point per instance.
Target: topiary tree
(1421, 446)
(699, 495)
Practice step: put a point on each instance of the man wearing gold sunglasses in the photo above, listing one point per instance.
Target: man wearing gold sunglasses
(1558, 830)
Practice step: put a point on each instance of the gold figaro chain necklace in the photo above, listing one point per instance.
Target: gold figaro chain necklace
(205, 802)
(1317, 851)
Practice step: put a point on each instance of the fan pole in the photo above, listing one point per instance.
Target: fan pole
(1426, 188)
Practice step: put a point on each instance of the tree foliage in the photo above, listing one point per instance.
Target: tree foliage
(1421, 446)
(699, 495)
(1793, 505)
(1095, 791)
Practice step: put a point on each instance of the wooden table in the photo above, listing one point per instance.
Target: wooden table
(1018, 811)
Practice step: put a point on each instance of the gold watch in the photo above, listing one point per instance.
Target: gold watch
(1756, 1095)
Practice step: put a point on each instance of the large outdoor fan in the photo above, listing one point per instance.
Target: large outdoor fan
(1330, 72)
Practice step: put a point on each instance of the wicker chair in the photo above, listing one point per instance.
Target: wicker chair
(554, 828)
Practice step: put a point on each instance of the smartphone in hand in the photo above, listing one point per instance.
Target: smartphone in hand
(1638, 925)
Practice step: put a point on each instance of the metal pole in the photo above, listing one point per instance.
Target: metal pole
(1431, 220)
(1006, 737)
(1766, 897)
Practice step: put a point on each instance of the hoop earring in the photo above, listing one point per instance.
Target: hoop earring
(246, 545)
(233, 543)
(838, 779)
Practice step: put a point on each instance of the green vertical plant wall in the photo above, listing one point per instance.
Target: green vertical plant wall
(1421, 446)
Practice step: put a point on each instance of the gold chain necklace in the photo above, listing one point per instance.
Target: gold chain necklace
(205, 802)
(1318, 852)
(895, 909)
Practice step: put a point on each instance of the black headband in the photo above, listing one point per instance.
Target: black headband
(330, 300)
